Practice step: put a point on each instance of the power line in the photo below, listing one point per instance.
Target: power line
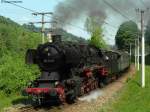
(111, 25)
(22, 7)
(145, 6)
(85, 29)
(110, 5)
(33, 11)
(142, 1)
(105, 22)
(43, 14)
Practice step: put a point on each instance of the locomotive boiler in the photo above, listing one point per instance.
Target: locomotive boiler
(69, 70)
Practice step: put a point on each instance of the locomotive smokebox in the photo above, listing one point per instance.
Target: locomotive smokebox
(56, 38)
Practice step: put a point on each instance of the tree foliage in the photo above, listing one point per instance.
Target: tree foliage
(126, 35)
(95, 31)
(65, 35)
(147, 33)
(14, 41)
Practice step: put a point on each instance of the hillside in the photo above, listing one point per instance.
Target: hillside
(65, 35)
(14, 41)
(132, 98)
(14, 74)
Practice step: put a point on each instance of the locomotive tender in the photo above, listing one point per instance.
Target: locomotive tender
(69, 70)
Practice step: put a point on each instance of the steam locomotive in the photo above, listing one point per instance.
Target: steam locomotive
(69, 70)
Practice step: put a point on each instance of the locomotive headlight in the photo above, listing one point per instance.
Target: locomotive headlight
(106, 58)
(56, 83)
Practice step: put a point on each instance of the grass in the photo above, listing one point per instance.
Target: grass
(6, 101)
(132, 98)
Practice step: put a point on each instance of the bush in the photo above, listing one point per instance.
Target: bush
(14, 41)
(15, 74)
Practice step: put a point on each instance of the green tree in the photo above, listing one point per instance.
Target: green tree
(14, 41)
(126, 34)
(147, 33)
(95, 30)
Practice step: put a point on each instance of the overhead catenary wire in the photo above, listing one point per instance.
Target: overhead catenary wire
(107, 3)
(116, 10)
(146, 9)
(55, 17)
(22, 7)
(142, 1)
(105, 22)
(34, 11)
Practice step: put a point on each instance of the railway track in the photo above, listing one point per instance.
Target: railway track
(27, 109)
(84, 106)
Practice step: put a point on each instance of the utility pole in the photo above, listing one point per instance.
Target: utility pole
(135, 53)
(138, 44)
(42, 22)
(143, 48)
(130, 52)
(138, 54)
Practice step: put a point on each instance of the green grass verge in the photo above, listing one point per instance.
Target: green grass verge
(6, 101)
(132, 98)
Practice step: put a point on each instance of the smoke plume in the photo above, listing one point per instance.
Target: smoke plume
(72, 10)
(69, 10)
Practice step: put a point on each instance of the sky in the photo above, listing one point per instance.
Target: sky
(21, 16)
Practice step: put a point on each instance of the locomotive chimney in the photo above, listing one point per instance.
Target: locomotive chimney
(56, 38)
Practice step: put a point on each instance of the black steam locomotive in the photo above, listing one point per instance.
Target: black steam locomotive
(69, 70)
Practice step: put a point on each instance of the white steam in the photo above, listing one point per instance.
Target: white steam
(91, 96)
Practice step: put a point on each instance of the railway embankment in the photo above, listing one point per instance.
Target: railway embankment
(107, 94)
(132, 98)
